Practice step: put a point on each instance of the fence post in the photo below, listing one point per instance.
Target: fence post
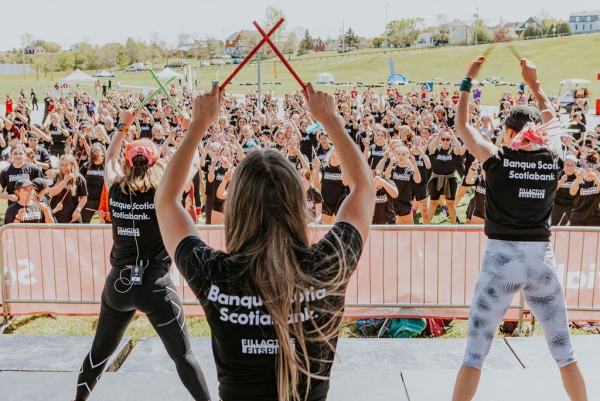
(521, 314)
(2, 278)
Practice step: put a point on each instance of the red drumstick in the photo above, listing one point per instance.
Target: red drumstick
(278, 53)
(250, 55)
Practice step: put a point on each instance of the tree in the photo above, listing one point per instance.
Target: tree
(403, 32)
(39, 64)
(272, 17)
(291, 43)
(350, 39)
(482, 34)
(532, 32)
(27, 39)
(214, 46)
(50, 47)
(563, 28)
(65, 61)
(132, 51)
(442, 33)
(307, 44)
(378, 41)
(108, 55)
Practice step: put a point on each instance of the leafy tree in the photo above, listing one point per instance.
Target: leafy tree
(51, 47)
(214, 46)
(403, 32)
(442, 35)
(291, 43)
(351, 39)
(272, 17)
(482, 34)
(378, 41)
(39, 64)
(563, 28)
(532, 32)
(132, 51)
(307, 43)
(65, 61)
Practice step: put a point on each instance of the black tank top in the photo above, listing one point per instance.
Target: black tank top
(134, 218)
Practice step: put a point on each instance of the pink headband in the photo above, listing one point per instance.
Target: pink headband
(534, 133)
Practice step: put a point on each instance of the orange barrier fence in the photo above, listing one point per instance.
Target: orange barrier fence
(427, 271)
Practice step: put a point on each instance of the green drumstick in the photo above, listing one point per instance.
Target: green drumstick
(147, 99)
(166, 93)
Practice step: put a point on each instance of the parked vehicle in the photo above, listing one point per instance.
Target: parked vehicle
(226, 56)
(575, 90)
(136, 67)
(204, 64)
(237, 61)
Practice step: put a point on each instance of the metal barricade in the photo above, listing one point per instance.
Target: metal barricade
(424, 271)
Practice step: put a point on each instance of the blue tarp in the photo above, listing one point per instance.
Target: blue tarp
(397, 79)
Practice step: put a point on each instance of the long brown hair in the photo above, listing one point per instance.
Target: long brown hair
(74, 170)
(265, 230)
(141, 178)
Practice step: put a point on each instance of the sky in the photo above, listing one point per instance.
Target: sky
(68, 22)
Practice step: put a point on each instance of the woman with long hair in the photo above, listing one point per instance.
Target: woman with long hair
(139, 278)
(72, 195)
(586, 190)
(273, 301)
(332, 183)
(93, 172)
(563, 202)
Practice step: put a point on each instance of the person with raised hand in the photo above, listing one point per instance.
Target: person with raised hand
(277, 343)
(521, 182)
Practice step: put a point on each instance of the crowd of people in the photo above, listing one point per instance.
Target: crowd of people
(419, 164)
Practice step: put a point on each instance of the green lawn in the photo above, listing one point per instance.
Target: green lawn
(557, 59)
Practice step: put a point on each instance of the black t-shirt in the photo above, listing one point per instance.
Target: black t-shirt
(520, 191)
(308, 144)
(376, 153)
(33, 214)
(332, 187)
(423, 170)
(580, 130)
(59, 140)
(295, 160)
(443, 161)
(10, 176)
(352, 131)
(563, 196)
(322, 152)
(403, 177)
(94, 176)
(69, 201)
(244, 342)
(479, 197)
(313, 198)
(138, 224)
(145, 130)
(42, 156)
(384, 207)
(586, 206)
(220, 172)
(377, 116)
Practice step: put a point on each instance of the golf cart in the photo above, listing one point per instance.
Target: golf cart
(575, 89)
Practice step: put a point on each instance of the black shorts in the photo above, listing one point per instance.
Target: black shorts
(581, 220)
(419, 191)
(402, 209)
(218, 205)
(435, 194)
(464, 184)
(330, 209)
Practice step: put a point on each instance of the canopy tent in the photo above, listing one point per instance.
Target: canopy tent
(575, 81)
(324, 78)
(169, 73)
(78, 76)
(397, 79)
(103, 74)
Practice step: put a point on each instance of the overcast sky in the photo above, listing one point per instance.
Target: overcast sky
(67, 22)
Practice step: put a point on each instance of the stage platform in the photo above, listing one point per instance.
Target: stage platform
(45, 368)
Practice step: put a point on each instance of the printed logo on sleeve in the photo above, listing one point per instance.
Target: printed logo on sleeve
(128, 231)
(532, 193)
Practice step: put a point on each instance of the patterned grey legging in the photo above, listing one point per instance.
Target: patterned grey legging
(508, 267)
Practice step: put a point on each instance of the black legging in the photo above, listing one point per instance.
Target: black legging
(86, 213)
(558, 212)
(158, 299)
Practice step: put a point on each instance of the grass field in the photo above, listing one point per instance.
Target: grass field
(557, 58)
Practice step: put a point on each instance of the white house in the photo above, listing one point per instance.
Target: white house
(425, 39)
(585, 21)
(458, 31)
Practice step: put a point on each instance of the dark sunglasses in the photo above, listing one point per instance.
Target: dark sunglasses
(446, 139)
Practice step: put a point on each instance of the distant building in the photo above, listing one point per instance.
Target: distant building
(458, 32)
(240, 43)
(425, 39)
(319, 45)
(585, 21)
(532, 21)
(36, 49)
(75, 47)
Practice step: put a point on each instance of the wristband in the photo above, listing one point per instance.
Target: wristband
(122, 128)
(466, 85)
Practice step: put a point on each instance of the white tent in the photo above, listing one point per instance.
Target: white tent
(169, 73)
(103, 74)
(78, 76)
(324, 78)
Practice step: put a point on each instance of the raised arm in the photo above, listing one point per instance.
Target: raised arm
(529, 72)
(357, 208)
(174, 221)
(480, 148)
(111, 161)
